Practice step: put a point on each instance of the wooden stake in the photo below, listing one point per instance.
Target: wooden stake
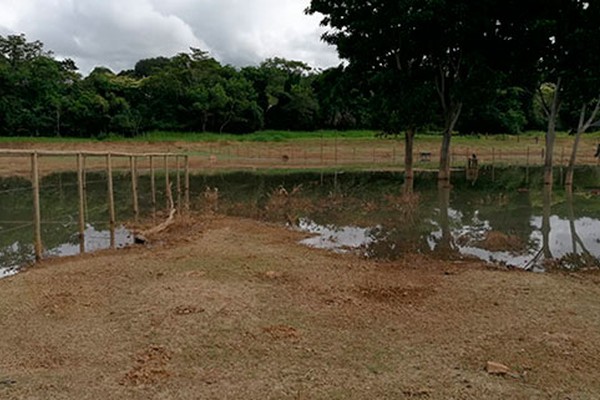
(167, 180)
(178, 166)
(134, 194)
(527, 167)
(493, 164)
(322, 150)
(187, 183)
(153, 183)
(336, 148)
(81, 203)
(111, 200)
(37, 216)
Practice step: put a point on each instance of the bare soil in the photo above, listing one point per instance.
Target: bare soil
(299, 154)
(222, 308)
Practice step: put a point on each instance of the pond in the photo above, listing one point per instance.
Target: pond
(503, 218)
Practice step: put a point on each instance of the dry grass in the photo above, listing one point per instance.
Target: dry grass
(306, 153)
(226, 308)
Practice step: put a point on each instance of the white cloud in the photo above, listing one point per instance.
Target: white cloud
(117, 33)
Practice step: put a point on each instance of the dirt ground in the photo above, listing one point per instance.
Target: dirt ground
(224, 308)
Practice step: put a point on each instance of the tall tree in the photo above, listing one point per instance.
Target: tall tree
(445, 44)
(582, 96)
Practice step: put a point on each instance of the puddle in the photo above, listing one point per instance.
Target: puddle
(16, 255)
(59, 209)
(338, 239)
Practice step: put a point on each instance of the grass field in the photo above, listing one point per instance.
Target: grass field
(352, 150)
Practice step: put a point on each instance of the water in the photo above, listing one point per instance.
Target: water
(505, 220)
(59, 208)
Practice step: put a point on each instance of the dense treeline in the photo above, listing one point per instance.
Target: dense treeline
(40, 95)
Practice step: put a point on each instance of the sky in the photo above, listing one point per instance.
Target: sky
(117, 33)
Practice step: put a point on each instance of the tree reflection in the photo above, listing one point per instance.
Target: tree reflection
(580, 257)
(547, 208)
(445, 248)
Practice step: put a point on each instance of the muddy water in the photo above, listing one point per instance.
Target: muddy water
(59, 209)
(502, 218)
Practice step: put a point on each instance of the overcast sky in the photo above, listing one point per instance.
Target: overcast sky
(117, 33)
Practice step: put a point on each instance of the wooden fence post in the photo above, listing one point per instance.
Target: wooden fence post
(187, 182)
(322, 150)
(153, 183)
(527, 167)
(132, 164)
(167, 181)
(178, 166)
(336, 149)
(111, 200)
(37, 216)
(493, 164)
(81, 203)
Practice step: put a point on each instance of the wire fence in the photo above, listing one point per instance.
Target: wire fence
(61, 202)
(131, 183)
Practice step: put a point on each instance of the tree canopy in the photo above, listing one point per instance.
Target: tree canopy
(410, 65)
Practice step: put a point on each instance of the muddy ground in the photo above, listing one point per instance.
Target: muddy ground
(222, 308)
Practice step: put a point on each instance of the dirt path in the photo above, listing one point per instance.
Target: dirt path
(227, 309)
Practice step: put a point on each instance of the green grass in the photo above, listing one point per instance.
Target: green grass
(163, 136)
(39, 139)
(262, 136)
(275, 136)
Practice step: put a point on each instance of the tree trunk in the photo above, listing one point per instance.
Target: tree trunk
(551, 135)
(445, 246)
(451, 118)
(224, 125)
(408, 161)
(547, 202)
(573, 159)
(581, 128)
(204, 121)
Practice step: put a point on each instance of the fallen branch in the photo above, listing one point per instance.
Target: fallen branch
(141, 237)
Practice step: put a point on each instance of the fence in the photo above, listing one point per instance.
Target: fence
(235, 155)
(182, 185)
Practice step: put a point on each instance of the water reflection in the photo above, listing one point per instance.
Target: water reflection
(60, 203)
(461, 228)
(497, 219)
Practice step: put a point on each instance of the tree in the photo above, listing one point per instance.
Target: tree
(448, 45)
(583, 93)
(285, 93)
(568, 60)
(33, 84)
(344, 99)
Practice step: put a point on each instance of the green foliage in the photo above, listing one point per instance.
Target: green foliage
(412, 65)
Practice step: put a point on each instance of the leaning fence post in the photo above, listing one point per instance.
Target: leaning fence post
(111, 200)
(81, 203)
(37, 218)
